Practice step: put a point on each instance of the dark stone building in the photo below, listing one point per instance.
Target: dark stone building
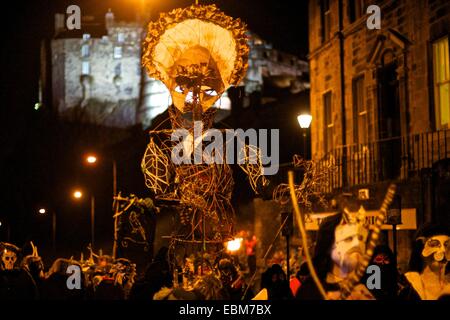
(380, 101)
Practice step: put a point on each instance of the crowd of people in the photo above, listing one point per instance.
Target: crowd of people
(102, 277)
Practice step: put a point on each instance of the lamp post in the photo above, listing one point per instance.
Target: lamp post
(43, 211)
(304, 120)
(92, 221)
(77, 194)
(394, 218)
(287, 231)
(91, 159)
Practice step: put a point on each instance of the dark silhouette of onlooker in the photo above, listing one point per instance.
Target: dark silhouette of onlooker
(55, 286)
(275, 281)
(233, 283)
(17, 284)
(322, 261)
(383, 257)
(156, 276)
(35, 267)
(296, 282)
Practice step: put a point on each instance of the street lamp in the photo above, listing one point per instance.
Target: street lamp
(304, 120)
(91, 159)
(78, 195)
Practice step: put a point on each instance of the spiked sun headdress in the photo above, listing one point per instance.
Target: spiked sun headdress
(196, 46)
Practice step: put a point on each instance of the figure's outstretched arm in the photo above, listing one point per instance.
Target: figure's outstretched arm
(314, 182)
(252, 166)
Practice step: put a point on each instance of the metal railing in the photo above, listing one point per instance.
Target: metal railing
(397, 158)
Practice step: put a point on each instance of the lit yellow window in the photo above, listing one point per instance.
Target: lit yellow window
(441, 83)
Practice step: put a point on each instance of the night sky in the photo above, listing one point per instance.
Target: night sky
(26, 151)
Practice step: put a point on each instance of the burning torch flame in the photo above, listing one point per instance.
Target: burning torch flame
(234, 245)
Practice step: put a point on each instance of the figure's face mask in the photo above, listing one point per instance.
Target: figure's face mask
(9, 259)
(195, 83)
(437, 247)
(350, 241)
(350, 245)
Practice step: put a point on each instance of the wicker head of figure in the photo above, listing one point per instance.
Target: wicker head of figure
(197, 52)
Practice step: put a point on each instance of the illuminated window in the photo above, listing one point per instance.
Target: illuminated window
(117, 52)
(120, 37)
(356, 9)
(441, 82)
(325, 19)
(85, 68)
(360, 126)
(85, 50)
(328, 122)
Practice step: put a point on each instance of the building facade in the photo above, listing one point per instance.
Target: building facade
(380, 100)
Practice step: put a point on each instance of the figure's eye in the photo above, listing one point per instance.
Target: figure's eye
(349, 239)
(209, 91)
(179, 89)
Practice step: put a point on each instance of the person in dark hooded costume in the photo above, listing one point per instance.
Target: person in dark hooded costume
(233, 283)
(384, 258)
(339, 247)
(275, 281)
